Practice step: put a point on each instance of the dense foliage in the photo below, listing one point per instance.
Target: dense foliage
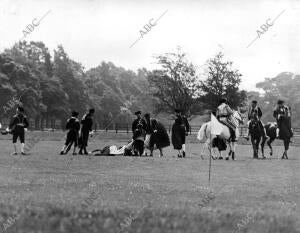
(51, 86)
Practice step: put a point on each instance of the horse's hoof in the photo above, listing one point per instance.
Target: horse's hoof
(271, 153)
(227, 158)
(203, 158)
(220, 157)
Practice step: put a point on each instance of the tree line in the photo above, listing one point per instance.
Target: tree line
(51, 85)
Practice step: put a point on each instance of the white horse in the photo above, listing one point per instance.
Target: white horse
(205, 132)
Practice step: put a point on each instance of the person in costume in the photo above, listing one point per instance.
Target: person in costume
(86, 129)
(17, 127)
(73, 127)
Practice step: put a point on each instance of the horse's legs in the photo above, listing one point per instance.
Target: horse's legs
(253, 141)
(269, 141)
(257, 147)
(205, 145)
(262, 145)
(233, 151)
(230, 151)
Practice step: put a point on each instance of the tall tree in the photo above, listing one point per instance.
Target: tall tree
(222, 81)
(284, 86)
(175, 85)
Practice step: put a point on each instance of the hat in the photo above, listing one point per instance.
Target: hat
(137, 113)
(280, 102)
(147, 115)
(177, 110)
(254, 101)
(75, 114)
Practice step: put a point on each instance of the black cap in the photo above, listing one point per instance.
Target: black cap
(147, 115)
(137, 113)
(280, 102)
(254, 101)
(177, 110)
(92, 110)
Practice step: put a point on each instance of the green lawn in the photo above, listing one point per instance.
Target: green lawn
(47, 192)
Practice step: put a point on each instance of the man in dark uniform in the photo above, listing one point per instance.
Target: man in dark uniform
(255, 113)
(280, 112)
(185, 124)
(73, 126)
(138, 120)
(17, 127)
(149, 132)
(86, 128)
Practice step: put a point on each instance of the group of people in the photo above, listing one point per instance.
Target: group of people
(76, 135)
(78, 132)
(281, 112)
(150, 134)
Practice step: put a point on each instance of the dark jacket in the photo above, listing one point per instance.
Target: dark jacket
(178, 134)
(139, 134)
(254, 112)
(73, 124)
(87, 123)
(184, 123)
(18, 122)
(136, 122)
(281, 112)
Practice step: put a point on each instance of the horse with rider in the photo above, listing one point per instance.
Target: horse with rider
(230, 120)
(260, 133)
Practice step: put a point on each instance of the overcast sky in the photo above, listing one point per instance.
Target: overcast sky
(95, 30)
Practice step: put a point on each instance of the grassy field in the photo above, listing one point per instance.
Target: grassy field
(47, 192)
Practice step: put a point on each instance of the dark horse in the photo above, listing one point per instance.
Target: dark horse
(285, 134)
(256, 133)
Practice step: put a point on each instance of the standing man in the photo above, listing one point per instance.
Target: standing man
(280, 112)
(224, 112)
(17, 127)
(185, 125)
(149, 132)
(73, 127)
(86, 128)
(255, 113)
(138, 120)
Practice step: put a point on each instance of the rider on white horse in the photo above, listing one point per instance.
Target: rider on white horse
(224, 114)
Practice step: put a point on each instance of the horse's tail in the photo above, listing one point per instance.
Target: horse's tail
(202, 132)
